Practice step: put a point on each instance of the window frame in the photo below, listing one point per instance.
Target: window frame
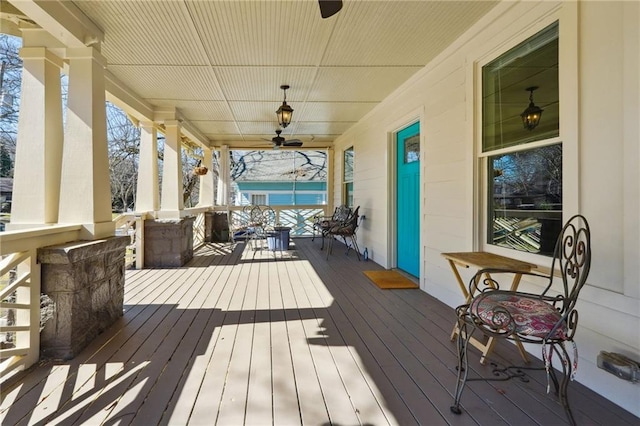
(345, 182)
(567, 18)
(252, 194)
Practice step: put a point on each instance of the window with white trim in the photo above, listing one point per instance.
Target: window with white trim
(347, 177)
(259, 199)
(521, 159)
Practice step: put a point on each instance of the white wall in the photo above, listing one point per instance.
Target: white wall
(600, 127)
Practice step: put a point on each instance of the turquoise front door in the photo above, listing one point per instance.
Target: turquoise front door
(408, 205)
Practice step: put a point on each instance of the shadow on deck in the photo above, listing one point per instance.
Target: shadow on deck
(245, 336)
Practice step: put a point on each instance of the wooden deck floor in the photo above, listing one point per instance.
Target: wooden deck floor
(241, 336)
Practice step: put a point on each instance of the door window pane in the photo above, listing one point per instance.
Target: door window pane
(412, 149)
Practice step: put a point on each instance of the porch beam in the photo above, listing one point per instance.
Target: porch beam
(190, 131)
(121, 95)
(186, 128)
(63, 20)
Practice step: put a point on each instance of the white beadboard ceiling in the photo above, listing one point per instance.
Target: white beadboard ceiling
(221, 63)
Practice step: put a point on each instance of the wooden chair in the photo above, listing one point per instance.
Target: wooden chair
(548, 319)
(345, 229)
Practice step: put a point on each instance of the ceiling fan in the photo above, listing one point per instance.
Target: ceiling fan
(329, 8)
(279, 141)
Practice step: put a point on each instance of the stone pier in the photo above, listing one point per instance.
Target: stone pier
(85, 280)
(168, 243)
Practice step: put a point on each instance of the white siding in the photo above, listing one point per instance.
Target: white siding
(603, 182)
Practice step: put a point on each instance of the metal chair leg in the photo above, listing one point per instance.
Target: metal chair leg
(355, 246)
(329, 245)
(567, 370)
(463, 364)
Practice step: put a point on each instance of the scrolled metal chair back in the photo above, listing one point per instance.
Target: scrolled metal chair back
(572, 257)
(352, 221)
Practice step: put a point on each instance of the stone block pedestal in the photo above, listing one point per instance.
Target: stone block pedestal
(85, 280)
(216, 225)
(168, 243)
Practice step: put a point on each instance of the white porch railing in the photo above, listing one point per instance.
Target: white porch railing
(299, 218)
(20, 293)
(126, 226)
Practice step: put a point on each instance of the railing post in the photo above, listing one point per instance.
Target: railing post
(140, 240)
(29, 295)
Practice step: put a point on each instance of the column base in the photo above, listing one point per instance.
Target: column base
(168, 243)
(85, 280)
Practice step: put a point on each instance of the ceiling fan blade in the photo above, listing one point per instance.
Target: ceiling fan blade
(293, 142)
(329, 8)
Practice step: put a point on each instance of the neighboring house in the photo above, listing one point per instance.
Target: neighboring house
(279, 177)
(6, 189)
(280, 193)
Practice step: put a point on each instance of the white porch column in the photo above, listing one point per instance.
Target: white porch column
(36, 184)
(205, 197)
(330, 180)
(147, 198)
(172, 198)
(224, 178)
(85, 190)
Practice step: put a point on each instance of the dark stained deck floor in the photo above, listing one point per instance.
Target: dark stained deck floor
(242, 336)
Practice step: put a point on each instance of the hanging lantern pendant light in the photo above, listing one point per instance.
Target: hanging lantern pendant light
(531, 116)
(285, 111)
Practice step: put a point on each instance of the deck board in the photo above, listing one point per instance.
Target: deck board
(248, 336)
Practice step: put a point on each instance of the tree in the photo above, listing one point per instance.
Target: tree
(124, 148)
(190, 182)
(10, 82)
(123, 137)
(6, 165)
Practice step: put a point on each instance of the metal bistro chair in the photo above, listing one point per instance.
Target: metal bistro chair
(322, 224)
(239, 225)
(262, 219)
(546, 319)
(345, 229)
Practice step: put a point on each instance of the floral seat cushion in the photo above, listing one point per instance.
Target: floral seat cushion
(530, 316)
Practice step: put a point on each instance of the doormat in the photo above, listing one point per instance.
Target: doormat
(390, 280)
